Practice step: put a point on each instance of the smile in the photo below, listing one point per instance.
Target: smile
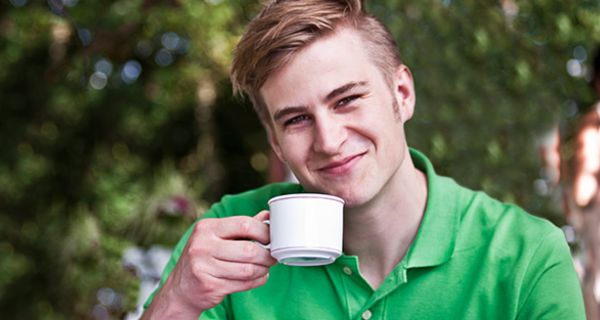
(342, 166)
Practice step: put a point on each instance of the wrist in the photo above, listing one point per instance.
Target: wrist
(171, 303)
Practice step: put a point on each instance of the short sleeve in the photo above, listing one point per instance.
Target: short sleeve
(550, 288)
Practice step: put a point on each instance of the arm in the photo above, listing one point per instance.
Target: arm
(550, 287)
(220, 257)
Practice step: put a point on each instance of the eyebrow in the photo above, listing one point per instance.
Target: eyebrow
(343, 89)
(331, 95)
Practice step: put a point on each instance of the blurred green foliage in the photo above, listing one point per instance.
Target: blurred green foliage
(491, 78)
(118, 128)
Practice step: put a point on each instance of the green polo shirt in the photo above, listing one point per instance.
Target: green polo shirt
(473, 258)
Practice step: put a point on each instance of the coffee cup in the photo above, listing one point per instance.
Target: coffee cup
(306, 229)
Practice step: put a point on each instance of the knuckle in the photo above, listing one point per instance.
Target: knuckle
(248, 271)
(263, 271)
(203, 226)
(259, 271)
(211, 287)
(244, 226)
(256, 283)
(197, 270)
(197, 248)
(249, 250)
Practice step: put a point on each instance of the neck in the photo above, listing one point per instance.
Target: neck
(381, 231)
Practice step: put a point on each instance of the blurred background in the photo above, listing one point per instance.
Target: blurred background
(118, 127)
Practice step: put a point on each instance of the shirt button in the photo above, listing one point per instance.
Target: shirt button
(347, 270)
(366, 315)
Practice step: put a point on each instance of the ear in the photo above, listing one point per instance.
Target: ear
(274, 143)
(404, 91)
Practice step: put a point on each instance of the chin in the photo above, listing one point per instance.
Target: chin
(352, 199)
(353, 202)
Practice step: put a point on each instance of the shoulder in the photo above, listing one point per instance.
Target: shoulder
(252, 201)
(485, 221)
(507, 227)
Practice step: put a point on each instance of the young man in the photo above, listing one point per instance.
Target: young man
(328, 84)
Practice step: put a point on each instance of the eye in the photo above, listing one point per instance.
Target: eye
(296, 120)
(347, 100)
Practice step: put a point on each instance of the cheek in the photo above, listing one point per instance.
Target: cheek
(294, 152)
(381, 126)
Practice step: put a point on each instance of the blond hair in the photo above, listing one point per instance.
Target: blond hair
(284, 27)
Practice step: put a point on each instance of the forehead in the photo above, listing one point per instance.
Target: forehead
(327, 63)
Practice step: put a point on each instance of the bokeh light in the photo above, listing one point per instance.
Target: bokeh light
(575, 68)
(580, 53)
(182, 46)
(259, 161)
(131, 71)
(98, 80)
(163, 57)
(100, 312)
(85, 36)
(104, 65)
(170, 40)
(108, 297)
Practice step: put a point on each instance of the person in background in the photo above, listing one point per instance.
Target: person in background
(333, 94)
(585, 182)
(584, 203)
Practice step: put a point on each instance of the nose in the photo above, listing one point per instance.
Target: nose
(329, 134)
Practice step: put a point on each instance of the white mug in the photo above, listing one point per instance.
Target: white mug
(306, 229)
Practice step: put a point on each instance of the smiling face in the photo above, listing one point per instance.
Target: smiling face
(337, 122)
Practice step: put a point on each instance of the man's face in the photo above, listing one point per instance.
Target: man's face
(335, 120)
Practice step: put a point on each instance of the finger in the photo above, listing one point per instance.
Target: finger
(262, 216)
(241, 227)
(243, 252)
(225, 270)
(247, 285)
(228, 286)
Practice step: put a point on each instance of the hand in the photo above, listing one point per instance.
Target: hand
(222, 256)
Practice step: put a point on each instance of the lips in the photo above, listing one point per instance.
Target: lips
(342, 166)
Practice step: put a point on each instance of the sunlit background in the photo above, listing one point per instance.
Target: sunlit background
(118, 127)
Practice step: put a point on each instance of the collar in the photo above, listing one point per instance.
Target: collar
(436, 238)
